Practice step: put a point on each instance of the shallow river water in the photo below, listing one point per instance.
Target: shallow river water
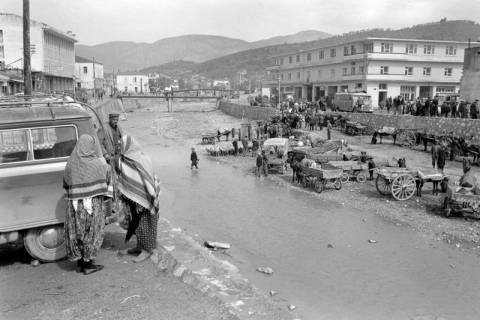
(268, 223)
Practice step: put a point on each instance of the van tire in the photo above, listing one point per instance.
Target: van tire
(47, 243)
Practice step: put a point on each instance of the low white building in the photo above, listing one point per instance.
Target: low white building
(132, 82)
(88, 73)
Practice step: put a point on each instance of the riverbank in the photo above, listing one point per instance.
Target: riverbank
(423, 214)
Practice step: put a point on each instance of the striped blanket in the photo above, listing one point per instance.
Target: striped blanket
(136, 180)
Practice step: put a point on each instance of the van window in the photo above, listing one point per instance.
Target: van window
(53, 142)
(14, 146)
(37, 143)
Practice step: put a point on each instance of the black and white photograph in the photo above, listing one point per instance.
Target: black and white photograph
(224, 160)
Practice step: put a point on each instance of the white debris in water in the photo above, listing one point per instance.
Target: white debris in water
(237, 304)
(265, 270)
(176, 230)
(372, 241)
(291, 307)
(169, 248)
(203, 272)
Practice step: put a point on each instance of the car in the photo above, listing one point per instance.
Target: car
(353, 102)
(37, 136)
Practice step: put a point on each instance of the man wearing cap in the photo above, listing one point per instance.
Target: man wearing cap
(111, 138)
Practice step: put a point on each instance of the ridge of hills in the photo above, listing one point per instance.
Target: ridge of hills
(127, 55)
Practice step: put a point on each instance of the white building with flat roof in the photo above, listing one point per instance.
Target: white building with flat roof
(383, 67)
(52, 52)
(88, 73)
(132, 82)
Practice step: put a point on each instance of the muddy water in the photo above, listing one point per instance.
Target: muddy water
(403, 275)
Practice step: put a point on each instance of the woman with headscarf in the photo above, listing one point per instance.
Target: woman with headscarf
(85, 180)
(139, 189)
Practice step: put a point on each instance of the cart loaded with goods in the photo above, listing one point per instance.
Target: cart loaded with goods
(352, 169)
(321, 176)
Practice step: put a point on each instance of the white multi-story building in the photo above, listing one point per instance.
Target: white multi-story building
(132, 82)
(382, 67)
(88, 73)
(52, 52)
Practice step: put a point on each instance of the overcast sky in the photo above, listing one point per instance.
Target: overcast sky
(97, 21)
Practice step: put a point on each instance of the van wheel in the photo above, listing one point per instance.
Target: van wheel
(46, 243)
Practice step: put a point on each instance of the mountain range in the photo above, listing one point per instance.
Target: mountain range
(127, 55)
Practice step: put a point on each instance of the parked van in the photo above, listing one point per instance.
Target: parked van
(353, 102)
(36, 139)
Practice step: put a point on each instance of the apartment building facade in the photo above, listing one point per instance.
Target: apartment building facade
(52, 53)
(382, 67)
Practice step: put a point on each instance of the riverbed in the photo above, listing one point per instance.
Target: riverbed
(319, 248)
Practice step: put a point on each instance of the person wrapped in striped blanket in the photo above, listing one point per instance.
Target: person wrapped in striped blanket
(139, 190)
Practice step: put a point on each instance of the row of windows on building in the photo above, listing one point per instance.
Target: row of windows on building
(427, 71)
(384, 70)
(385, 47)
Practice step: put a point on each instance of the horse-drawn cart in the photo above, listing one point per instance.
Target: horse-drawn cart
(399, 182)
(461, 200)
(352, 169)
(320, 178)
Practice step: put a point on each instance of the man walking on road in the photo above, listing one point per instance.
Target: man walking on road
(329, 130)
(194, 159)
(245, 145)
(264, 163)
(235, 146)
(259, 165)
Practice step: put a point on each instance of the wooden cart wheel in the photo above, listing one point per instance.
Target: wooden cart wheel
(361, 177)
(447, 210)
(318, 186)
(382, 185)
(338, 184)
(403, 187)
(345, 177)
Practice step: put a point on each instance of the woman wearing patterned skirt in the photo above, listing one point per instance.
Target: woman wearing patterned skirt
(139, 189)
(85, 179)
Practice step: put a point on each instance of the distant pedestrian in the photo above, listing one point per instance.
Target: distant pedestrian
(371, 168)
(245, 145)
(264, 163)
(438, 156)
(329, 130)
(194, 159)
(235, 147)
(259, 165)
(255, 146)
(474, 110)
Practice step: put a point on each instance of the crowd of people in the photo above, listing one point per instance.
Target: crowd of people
(429, 107)
(115, 169)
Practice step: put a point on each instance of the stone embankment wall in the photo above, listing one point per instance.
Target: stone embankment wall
(435, 125)
(248, 112)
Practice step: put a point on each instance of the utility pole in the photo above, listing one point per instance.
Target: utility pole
(278, 90)
(27, 68)
(94, 87)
